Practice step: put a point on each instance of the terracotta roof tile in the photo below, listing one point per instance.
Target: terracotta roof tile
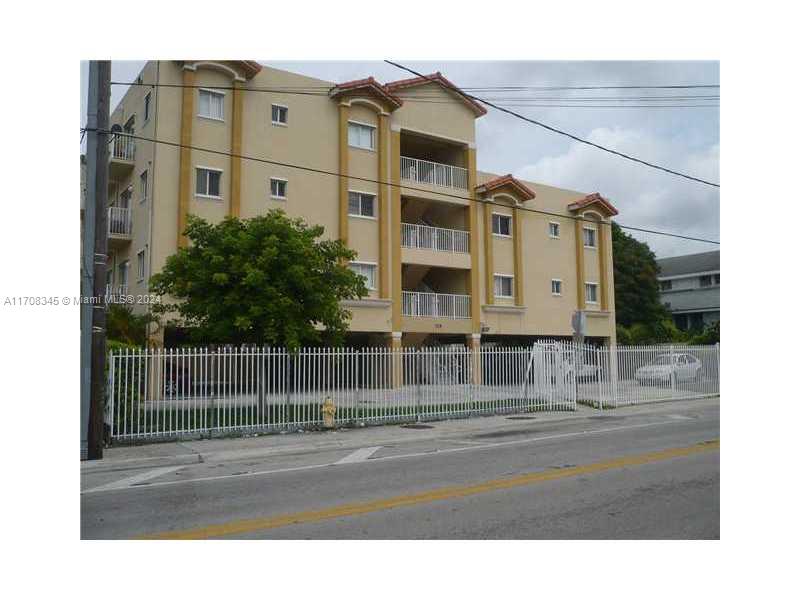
(524, 191)
(592, 199)
(370, 83)
(437, 77)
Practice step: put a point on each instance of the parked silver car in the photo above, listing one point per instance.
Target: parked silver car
(666, 368)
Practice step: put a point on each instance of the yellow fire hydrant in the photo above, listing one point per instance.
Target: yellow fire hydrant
(328, 413)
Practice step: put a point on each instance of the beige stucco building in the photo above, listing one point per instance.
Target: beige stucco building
(450, 253)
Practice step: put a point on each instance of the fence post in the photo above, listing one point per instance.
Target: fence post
(417, 382)
(111, 394)
(672, 372)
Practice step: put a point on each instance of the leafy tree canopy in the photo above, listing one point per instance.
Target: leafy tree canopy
(636, 290)
(265, 280)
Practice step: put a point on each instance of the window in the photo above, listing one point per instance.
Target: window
(147, 106)
(589, 238)
(211, 105)
(503, 286)
(280, 115)
(367, 271)
(361, 136)
(501, 225)
(277, 188)
(555, 230)
(706, 281)
(591, 293)
(555, 287)
(361, 204)
(666, 285)
(140, 265)
(716, 278)
(123, 275)
(208, 182)
(143, 187)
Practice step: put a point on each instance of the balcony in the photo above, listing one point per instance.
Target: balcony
(121, 156)
(120, 226)
(113, 292)
(427, 172)
(437, 306)
(437, 239)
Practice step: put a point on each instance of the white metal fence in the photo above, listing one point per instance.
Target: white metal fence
(120, 221)
(430, 304)
(432, 173)
(161, 393)
(435, 238)
(623, 375)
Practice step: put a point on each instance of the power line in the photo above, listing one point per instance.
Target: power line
(490, 88)
(387, 183)
(429, 97)
(561, 132)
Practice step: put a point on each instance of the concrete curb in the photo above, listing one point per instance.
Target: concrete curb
(348, 439)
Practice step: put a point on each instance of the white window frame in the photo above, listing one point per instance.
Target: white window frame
(594, 237)
(503, 276)
(560, 291)
(586, 286)
(141, 266)
(143, 193)
(510, 225)
(285, 188)
(373, 137)
(213, 92)
(124, 267)
(373, 266)
(279, 123)
(550, 230)
(147, 106)
(360, 214)
(203, 168)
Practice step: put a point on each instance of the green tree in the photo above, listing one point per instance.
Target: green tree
(265, 280)
(125, 327)
(636, 288)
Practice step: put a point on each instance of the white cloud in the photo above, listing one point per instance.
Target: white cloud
(645, 197)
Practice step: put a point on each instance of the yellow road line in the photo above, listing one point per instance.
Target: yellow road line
(445, 493)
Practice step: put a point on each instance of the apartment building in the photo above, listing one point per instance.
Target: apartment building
(450, 254)
(690, 288)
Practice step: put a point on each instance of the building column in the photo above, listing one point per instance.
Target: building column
(519, 273)
(396, 346)
(397, 257)
(488, 242)
(601, 248)
(384, 142)
(235, 207)
(474, 344)
(475, 266)
(185, 174)
(581, 292)
(344, 115)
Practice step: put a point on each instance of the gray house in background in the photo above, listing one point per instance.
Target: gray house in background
(690, 288)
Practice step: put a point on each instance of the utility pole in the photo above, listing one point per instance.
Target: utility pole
(93, 264)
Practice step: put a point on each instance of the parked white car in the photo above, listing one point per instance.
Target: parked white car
(662, 370)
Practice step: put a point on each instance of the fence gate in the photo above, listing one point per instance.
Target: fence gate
(550, 379)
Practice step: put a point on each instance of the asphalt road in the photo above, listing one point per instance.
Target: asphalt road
(617, 475)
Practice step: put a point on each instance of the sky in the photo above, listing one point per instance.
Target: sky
(682, 139)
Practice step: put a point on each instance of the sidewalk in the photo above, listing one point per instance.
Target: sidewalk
(215, 450)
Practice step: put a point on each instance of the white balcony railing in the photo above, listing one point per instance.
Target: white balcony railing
(427, 304)
(122, 147)
(432, 173)
(435, 238)
(120, 221)
(115, 290)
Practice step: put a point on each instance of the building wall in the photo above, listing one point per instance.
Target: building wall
(312, 139)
